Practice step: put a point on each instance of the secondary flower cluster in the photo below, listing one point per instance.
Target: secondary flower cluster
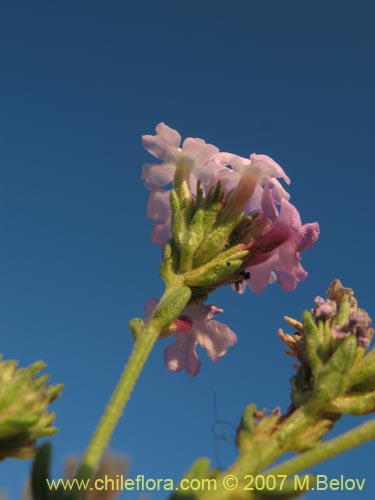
(275, 238)
(330, 345)
(24, 400)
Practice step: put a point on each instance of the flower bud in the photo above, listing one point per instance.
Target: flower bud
(24, 399)
(335, 374)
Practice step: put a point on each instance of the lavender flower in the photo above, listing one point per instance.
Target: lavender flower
(276, 254)
(247, 178)
(165, 145)
(159, 210)
(194, 326)
(324, 308)
(359, 324)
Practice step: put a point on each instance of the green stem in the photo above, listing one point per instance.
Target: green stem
(258, 457)
(278, 443)
(325, 451)
(169, 307)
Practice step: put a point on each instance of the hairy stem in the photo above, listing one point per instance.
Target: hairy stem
(327, 450)
(169, 307)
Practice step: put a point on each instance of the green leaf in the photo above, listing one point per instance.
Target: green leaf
(178, 219)
(342, 317)
(40, 472)
(331, 380)
(312, 343)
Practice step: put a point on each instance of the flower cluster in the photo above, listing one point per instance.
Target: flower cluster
(358, 322)
(330, 346)
(275, 238)
(24, 400)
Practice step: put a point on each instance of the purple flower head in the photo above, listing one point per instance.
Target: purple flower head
(274, 234)
(195, 326)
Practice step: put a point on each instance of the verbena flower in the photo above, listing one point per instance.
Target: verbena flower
(159, 210)
(247, 178)
(269, 227)
(194, 326)
(165, 145)
(277, 252)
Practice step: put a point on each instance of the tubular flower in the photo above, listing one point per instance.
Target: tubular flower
(165, 145)
(277, 252)
(248, 177)
(194, 326)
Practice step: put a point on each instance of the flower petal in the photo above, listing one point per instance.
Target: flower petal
(309, 235)
(199, 150)
(215, 338)
(158, 174)
(268, 164)
(164, 144)
(159, 210)
(289, 216)
(268, 205)
(260, 276)
(158, 207)
(288, 281)
(181, 354)
(289, 260)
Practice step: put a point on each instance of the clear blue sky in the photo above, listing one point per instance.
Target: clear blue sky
(80, 82)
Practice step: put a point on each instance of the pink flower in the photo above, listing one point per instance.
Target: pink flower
(248, 178)
(159, 210)
(165, 145)
(277, 253)
(195, 326)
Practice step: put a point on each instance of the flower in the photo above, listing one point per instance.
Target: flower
(324, 308)
(359, 324)
(165, 145)
(277, 252)
(248, 177)
(194, 326)
(159, 210)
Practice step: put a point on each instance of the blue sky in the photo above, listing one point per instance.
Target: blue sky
(80, 83)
